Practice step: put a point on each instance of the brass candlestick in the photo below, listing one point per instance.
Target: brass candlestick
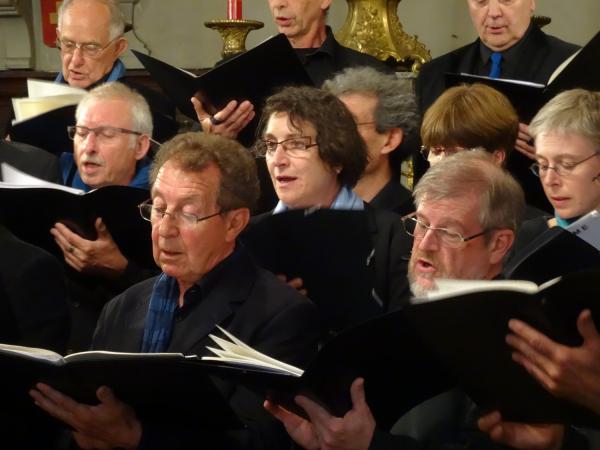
(373, 27)
(234, 33)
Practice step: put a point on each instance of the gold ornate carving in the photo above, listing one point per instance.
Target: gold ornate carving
(234, 33)
(373, 27)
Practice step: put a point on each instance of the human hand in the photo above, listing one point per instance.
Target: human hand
(568, 372)
(109, 424)
(296, 283)
(228, 122)
(101, 256)
(524, 142)
(520, 435)
(300, 430)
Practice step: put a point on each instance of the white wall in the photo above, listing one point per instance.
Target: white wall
(174, 30)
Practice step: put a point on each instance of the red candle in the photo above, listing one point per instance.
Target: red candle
(234, 9)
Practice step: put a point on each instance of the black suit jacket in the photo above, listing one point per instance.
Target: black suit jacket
(250, 303)
(31, 160)
(539, 55)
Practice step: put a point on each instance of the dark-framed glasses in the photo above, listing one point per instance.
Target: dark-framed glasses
(155, 215)
(563, 168)
(417, 229)
(90, 49)
(294, 147)
(106, 132)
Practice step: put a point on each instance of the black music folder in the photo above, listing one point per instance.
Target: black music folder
(253, 75)
(330, 250)
(47, 131)
(159, 386)
(31, 211)
(579, 71)
(553, 253)
(454, 338)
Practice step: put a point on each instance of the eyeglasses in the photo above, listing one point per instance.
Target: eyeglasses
(89, 49)
(562, 168)
(104, 132)
(438, 152)
(155, 215)
(294, 147)
(417, 229)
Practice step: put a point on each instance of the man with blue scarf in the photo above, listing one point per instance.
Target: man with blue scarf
(90, 39)
(90, 36)
(111, 140)
(203, 189)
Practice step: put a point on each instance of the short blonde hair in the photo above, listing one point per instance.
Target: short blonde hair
(576, 111)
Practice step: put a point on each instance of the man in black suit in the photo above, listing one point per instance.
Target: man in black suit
(203, 188)
(304, 23)
(525, 53)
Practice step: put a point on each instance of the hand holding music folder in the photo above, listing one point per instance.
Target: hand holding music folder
(164, 387)
(31, 207)
(456, 337)
(253, 76)
(330, 250)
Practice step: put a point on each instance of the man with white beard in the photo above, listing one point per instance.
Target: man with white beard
(467, 213)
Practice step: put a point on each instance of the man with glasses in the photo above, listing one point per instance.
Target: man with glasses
(203, 188)
(111, 139)
(90, 39)
(467, 212)
(385, 113)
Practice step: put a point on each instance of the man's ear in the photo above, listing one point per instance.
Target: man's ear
(500, 244)
(235, 222)
(121, 45)
(142, 146)
(393, 140)
(325, 4)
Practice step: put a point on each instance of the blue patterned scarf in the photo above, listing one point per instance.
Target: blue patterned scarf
(161, 312)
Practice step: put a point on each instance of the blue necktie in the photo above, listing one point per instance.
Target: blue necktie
(496, 62)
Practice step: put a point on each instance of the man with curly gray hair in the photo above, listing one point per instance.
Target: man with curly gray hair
(385, 113)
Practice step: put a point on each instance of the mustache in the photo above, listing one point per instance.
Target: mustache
(91, 159)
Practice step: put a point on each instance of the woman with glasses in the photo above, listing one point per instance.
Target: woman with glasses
(315, 155)
(567, 145)
(567, 149)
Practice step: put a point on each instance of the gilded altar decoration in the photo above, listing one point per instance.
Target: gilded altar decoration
(234, 33)
(373, 27)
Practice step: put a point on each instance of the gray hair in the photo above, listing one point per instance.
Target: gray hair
(502, 199)
(576, 111)
(141, 118)
(396, 104)
(116, 24)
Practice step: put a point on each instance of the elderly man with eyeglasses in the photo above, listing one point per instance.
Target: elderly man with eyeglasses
(90, 37)
(203, 188)
(467, 212)
(111, 140)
